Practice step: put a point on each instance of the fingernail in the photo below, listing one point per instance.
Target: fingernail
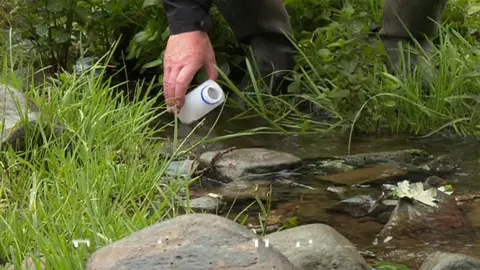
(171, 108)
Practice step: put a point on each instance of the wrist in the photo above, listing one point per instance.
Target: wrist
(184, 26)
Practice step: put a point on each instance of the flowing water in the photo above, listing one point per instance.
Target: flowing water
(310, 205)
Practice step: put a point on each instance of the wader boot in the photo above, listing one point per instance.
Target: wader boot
(263, 25)
(404, 19)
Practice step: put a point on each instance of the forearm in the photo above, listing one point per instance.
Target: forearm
(187, 15)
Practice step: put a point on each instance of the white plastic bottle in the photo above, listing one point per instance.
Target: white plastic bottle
(201, 101)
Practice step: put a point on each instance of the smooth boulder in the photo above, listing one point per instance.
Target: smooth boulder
(447, 261)
(193, 241)
(317, 246)
(241, 162)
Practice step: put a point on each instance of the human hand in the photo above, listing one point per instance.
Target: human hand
(185, 54)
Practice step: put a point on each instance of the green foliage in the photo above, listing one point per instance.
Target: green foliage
(105, 178)
(101, 179)
(63, 30)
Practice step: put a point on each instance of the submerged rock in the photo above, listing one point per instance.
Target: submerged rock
(447, 261)
(408, 156)
(415, 220)
(194, 241)
(244, 190)
(440, 164)
(317, 246)
(241, 162)
(364, 175)
(181, 168)
(357, 206)
(206, 204)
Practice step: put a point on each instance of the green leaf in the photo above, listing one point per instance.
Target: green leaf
(473, 9)
(324, 53)
(294, 86)
(339, 94)
(82, 14)
(390, 103)
(56, 5)
(291, 222)
(154, 63)
(41, 29)
(225, 67)
(148, 3)
(60, 35)
(140, 36)
(100, 14)
(166, 33)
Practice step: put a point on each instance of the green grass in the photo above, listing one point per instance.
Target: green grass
(342, 71)
(104, 177)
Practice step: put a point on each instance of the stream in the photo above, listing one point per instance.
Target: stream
(309, 199)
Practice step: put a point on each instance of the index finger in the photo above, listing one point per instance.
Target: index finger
(169, 86)
(185, 77)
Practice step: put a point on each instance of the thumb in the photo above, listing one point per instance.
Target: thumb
(211, 71)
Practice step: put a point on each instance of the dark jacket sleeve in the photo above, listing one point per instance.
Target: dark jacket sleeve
(188, 15)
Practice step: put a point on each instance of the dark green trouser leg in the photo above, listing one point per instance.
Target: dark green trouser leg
(405, 18)
(262, 24)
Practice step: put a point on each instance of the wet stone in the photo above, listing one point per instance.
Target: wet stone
(241, 190)
(447, 261)
(357, 206)
(317, 246)
(415, 220)
(335, 165)
(473, 212)
(206, 204)
(181, 168)
(440, 164)
(337, 192)
(194, 241)
(241, 162)
(363, 176)
(407, 156)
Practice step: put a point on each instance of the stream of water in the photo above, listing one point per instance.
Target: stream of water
(310, 205)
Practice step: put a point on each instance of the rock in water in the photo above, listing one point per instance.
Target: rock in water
(409, 156)
(447, 261)
(357, 206)
(206, 204)
(16, 113)
(241, 162)
(317, 246)
(363, 176)
(194, 241)
(417, 221)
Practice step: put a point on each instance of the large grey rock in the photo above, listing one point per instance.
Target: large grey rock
(317, 246)
(17, 115)
(194, 241)
(447, 261)
(15, 112)
(241, 162)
